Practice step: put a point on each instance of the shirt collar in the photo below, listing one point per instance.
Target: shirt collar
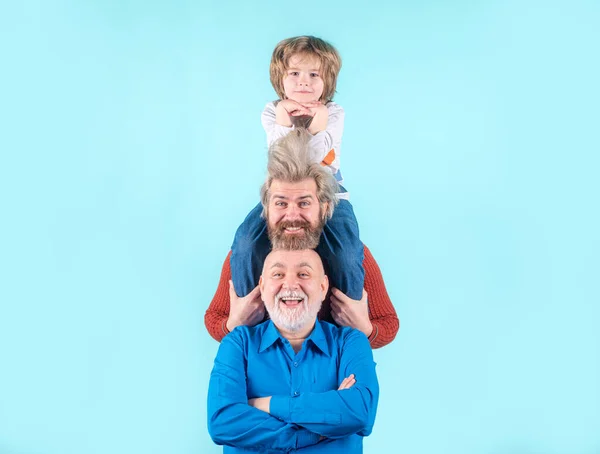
(269, 336)
(317, 337)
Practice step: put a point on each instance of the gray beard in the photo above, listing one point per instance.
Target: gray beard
(293, 320)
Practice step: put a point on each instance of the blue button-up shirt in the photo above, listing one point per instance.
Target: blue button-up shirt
(307, 412)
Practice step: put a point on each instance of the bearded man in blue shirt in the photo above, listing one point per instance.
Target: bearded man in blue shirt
(293, 383)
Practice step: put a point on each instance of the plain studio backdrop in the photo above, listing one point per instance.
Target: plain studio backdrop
(132, 149)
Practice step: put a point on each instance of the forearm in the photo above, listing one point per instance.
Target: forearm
(326, 143)
(333, 414)
(231, 421)
(215, 317)
(381, 310)
(239, 425)
(336, 414)
(273, 129)
(216, 324)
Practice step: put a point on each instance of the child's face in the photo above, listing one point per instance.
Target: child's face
(303, 82)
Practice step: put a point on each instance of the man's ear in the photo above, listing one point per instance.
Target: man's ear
(324, 287)
(260, 284)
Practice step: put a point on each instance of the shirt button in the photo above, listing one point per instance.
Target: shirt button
(296, 393)
(295, 364)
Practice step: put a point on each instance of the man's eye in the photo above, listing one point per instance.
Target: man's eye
(314, 75)
(303, 275)
(276, 274)
(304, 204)
(293, 73)
(279, 204)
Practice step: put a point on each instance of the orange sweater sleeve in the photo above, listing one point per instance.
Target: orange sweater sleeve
(381, 311)
(217, 313)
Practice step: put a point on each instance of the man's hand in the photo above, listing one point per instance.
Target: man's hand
(288, 108)
(347, 382)
(349, 312)
(248, 310)
(262, 403)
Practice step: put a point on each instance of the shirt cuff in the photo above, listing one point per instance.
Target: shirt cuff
(374, 333)
(224, 327)
(280, 407)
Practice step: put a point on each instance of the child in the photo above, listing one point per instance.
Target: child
(304, 72)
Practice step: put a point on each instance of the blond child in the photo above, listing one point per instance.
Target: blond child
(304, 73)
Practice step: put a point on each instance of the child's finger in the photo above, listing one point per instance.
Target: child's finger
(299, 112)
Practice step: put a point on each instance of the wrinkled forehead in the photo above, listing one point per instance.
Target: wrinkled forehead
(290, 259)
(292, 190)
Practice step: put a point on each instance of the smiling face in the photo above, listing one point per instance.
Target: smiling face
(293, 286)
(295, 218)
(302, 81)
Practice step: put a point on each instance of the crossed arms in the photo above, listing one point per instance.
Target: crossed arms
(292, 422)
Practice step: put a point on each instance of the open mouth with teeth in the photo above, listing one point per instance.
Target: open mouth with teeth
(293, 230)
(291, 301)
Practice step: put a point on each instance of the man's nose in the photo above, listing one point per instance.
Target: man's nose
(290, 281)
(292, 212)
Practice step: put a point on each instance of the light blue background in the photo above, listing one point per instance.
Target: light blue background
(132, 148)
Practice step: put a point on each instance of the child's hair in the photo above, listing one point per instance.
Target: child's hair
(306, 46)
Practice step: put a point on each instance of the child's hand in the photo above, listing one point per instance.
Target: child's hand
(287, 108)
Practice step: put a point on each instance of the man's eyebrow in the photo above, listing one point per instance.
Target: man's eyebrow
(300, 265)
(277, 265)
(285, 197)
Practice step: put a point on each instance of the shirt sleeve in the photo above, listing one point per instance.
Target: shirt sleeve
(274, 131)
(231, 421)
(215, 317)
(337, 414)
(381, 310)
(326, 145)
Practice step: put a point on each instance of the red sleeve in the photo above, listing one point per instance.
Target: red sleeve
(217, 313)
(381, 311)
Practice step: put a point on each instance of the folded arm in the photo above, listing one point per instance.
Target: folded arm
(273, 129)
(337, 414)
(326, 145)
(232, 422)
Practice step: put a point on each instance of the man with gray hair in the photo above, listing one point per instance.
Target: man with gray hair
(297, 198)
(293, 382)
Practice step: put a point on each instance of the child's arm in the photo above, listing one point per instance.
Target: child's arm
(277, 119)
(327, 127)
(326, 143)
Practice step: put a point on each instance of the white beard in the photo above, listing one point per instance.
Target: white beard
(295, 319)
